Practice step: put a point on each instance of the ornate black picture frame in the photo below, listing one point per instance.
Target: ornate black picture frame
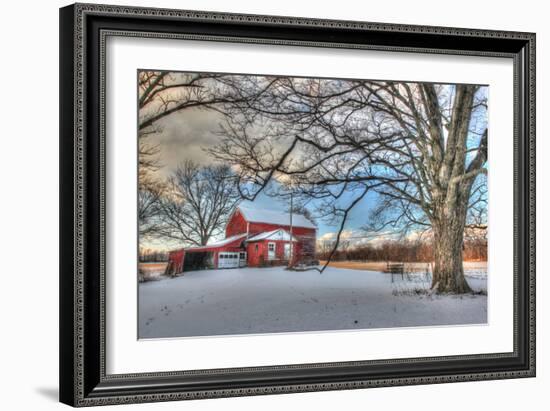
(83, 30)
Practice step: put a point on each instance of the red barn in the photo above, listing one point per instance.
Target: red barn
(253, 238)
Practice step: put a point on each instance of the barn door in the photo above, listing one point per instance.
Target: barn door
(271, 251)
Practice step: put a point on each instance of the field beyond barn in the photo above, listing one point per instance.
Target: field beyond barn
(270, 300)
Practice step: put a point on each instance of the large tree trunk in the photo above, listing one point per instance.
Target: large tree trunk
(448, 229)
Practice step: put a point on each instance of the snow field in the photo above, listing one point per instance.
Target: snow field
(270, 300)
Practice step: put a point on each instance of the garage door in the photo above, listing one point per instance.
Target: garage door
(228, 260)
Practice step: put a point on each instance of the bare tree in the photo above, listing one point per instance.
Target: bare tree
(150, 190)
(148, 211)
(418, 147)
(160, 94)
(197, 204)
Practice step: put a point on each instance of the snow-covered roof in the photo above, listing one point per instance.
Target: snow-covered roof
(274, 217)
(279, 234)
(220, 243)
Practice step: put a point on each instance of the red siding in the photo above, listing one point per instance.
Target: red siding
(254, 255)
(175, 261)
(306, 237)
(260, 257)
(235, 225)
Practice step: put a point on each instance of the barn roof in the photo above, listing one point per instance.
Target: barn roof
(278, 234)
(255, 215)
(221, 243)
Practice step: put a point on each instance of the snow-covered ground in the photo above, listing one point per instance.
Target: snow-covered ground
(267, 300)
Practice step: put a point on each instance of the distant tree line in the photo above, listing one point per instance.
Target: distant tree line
(474, 249)
(147, 255)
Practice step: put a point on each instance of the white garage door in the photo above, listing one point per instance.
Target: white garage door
(228, 260)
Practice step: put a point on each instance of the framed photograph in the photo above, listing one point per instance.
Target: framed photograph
(261, 204)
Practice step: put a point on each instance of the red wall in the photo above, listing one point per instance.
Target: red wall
(175, 260)
(236, 225)
(254, 257)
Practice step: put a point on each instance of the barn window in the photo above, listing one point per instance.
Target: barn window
(271, 246)
(256, 248)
